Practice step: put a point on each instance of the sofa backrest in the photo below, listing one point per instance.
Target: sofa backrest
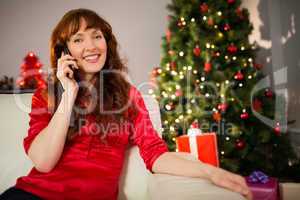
(14, 121)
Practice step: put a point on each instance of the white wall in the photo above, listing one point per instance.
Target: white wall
(27, 26)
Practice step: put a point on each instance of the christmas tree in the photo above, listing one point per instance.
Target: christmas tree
(31, 75)
(208, 74)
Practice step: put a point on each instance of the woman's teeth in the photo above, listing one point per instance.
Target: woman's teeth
(92, 58)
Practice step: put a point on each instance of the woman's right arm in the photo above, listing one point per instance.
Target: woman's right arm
(47, 147)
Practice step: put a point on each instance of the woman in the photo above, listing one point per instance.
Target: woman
(81, 123)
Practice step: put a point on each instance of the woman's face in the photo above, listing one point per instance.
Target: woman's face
(88, 47)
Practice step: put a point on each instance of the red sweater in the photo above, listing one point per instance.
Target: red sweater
(89, 168)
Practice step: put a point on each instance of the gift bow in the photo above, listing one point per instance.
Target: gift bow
(257, 177)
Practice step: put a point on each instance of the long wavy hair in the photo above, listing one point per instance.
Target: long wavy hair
(115, 90)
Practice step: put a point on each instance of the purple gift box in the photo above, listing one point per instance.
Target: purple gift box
(264, 191)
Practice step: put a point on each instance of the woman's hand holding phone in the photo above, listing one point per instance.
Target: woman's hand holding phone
(66, 75)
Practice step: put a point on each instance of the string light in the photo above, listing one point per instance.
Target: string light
(241, 84)
(181, 53)
(177, 120)
(226, 57)
(193, 20)
(193, 101)
(249, 77)
(195, 71)
(219, 13)
(180, 116)
(207, 45)
(173, 96)
(174, 73)
(190, 68)
(168, 107)
(189, 111)
(166, 122)
(150, 91)
(227, 138)
(204, 18)
(227, 82)
(218, 84)
(250, 60)
(242, 48)
(202, 78)
(234, 58)
(207, 94)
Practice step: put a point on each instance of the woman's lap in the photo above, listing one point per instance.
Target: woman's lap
(14, 193)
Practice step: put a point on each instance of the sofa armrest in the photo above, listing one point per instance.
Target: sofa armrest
(169, 187)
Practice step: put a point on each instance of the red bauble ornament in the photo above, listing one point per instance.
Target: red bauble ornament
(268, 93)
(239, 13)
(230, 1)
(197, 51)
(240, 144)
(277, 129)
(222, 107)
(178, 93)
(203, 8)
(210, 21)
(239, 76)
(226, 27)
(173, 65)
(207, 67)
(232, 49)
(244, 115)
(258, 66)
(257, 105)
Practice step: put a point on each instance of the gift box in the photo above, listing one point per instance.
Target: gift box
(202, 145)
(262, 186)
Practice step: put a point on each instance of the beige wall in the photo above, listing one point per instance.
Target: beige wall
(27, 25)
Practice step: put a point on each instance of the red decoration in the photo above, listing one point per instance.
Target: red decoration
(239, 13)
(244, 115)
(168, 35)
(257, 105)
(197, 51)
(178, 93)
(195, 124)
(217, 116)
(207, 67)
(226, 27)
(239, 76)
(222, 107)
(277, 129)
(155, 71)
(230, 1)
(31, 75)
(173, 65)
(258, 66)
(232, 49)
(210, 21)
(268, 93)
(240, 144)
(203, 8)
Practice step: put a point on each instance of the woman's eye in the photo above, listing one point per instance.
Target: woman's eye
(98, 36)
(77, 40)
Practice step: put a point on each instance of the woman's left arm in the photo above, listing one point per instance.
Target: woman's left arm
(174, 164)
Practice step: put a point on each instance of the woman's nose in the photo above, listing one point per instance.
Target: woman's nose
(90, 45)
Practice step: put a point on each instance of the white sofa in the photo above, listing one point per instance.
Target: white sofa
(136, 182)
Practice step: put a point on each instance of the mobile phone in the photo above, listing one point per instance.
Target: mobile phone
(63, 48)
